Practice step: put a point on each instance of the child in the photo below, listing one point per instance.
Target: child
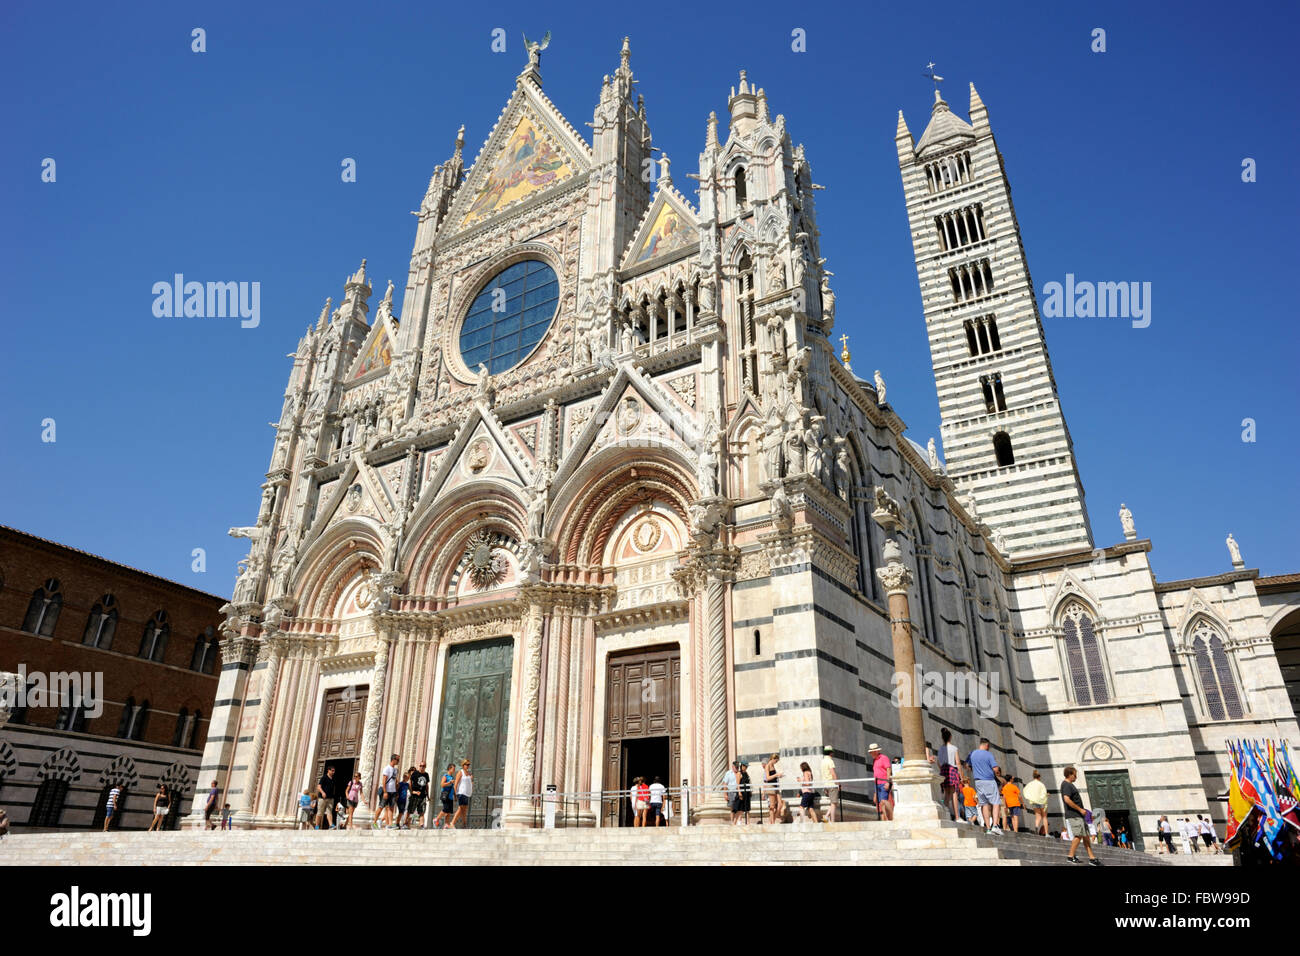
(304, 810)
(225, 817)
(403, 794)
(968, 800)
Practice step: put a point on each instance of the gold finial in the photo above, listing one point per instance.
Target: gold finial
(844, 355)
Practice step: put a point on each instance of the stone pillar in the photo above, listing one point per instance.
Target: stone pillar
(274, 649)
(917, 797)
(517, 814)
(374, 710)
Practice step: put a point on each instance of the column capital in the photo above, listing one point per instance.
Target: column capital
(896, 577)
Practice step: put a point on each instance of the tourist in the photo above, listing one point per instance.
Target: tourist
(772, 777)
(950, 773)
(882, 770)
(464, 787)
(1166, 835)
(1123, 837)
(1108, 834)
(325, 798)
(304, 809)
(986, 786)
(161, 803)
(1000, 808)
(730, 782)
(114, 793)
(210, 808)
(419, 793)
(831, 791)
(353, 796)
(226, 814)
(1207, 833)
(388, 794)
(1011, 799)
(657, 791)
(1188, 836)
(1035, 798)
(807, 796)
(745, 791)
(641, 801)
(447, 794)
(969, 801)
(403, 798)
(1075, 818)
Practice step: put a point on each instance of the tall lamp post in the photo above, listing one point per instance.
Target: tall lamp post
(916, 785)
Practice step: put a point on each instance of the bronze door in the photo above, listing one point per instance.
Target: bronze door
(643, 724)
(473, 723)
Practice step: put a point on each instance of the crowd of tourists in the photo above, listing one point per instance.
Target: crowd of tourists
(401, 799)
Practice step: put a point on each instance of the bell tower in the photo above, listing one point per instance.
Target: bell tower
(1004, 433)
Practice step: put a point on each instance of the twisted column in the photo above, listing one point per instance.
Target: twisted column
(719, 709)
(270, 677)
(528, 712)
(374, 708)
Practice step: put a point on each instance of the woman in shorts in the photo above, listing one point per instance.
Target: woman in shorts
(353, 797)
(447, 796)
(772, 781)
(161, 803)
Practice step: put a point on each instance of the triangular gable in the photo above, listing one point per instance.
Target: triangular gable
(1198, 604)
(528, 434)
(480, 449)
(530, 150)
(372, 501)
(1069, 586)
(668, 226)
(631, 410)
(377, 350)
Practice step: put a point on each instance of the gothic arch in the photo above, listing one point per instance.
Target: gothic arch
(1070, 588)
(331, 560)
(1213, 668)
(63, 765)
(121, 772)
(583, 512)
(8, 761)
(176, 777)
(437, 539)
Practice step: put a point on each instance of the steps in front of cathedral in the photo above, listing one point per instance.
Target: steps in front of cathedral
(846, 844)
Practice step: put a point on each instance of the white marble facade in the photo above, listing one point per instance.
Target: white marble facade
(681, 459)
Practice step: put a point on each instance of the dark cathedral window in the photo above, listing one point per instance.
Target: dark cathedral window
(741, 196)
(153, 642)
(101, 623)
(43, 609)
(1222, 700)
(1083, 657)
(1002, 448)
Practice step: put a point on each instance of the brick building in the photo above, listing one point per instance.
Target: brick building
(111, 680)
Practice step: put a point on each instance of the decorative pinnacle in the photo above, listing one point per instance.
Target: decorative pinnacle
(844, 354)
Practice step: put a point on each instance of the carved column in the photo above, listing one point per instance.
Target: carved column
(274, 649)
(521, 814)
(374, 709)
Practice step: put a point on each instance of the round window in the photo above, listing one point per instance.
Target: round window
(509, 317)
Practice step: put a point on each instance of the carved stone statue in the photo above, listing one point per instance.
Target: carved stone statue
(828, 302)
(843, 476)
(708, 469)
(880, 388)
(794, 449)
(812, 439)
(1126, 521)
(772, 442)
(535, 49)
(999, 542)
(483, 389)
(1234, 552)
(782, 513)
(536, 493)
(933, 454)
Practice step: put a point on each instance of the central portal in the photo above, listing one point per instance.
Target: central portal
(643, 725)
(472, 725)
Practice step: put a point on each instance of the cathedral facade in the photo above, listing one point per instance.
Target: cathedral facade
(597, 503)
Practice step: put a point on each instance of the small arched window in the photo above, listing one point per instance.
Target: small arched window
(196, 719)
(1002, 448)
(1219, 686)
(1083, 657)
(742, 193)
(153, 642)
(182, 728)
(101, 623)
(210, 653)
(758, 643)
(43, 609)
(200, 647)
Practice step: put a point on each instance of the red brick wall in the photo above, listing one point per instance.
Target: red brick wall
(27, 562)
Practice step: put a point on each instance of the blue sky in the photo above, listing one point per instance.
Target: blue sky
(1124, 165)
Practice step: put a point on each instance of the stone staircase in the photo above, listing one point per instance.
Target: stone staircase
(841, 844)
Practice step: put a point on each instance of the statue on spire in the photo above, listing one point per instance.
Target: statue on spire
(535, 50)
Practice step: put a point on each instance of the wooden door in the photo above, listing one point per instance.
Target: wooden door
(642, 700)
(342, 722)
(473, 722)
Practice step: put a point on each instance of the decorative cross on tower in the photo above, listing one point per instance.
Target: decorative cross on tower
(844, 355)
(929, 71)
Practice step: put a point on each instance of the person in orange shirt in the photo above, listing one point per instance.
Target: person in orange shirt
(968, 795)
(1011, 797)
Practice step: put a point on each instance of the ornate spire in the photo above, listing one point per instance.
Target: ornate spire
(711, 134)
(625, 58)
(324, 314)
(359, 279)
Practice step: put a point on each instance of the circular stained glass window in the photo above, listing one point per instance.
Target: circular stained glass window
(509, 317)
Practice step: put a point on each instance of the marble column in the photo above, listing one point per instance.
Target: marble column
(519, 814)
(370, 738)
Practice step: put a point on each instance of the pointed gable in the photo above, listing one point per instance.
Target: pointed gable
(667, 227)
(531, 150)
(945, 129)
(377, 350)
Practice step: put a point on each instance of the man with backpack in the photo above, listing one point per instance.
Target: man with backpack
(1076, 817)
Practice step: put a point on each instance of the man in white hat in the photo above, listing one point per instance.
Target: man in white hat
(881, 768)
